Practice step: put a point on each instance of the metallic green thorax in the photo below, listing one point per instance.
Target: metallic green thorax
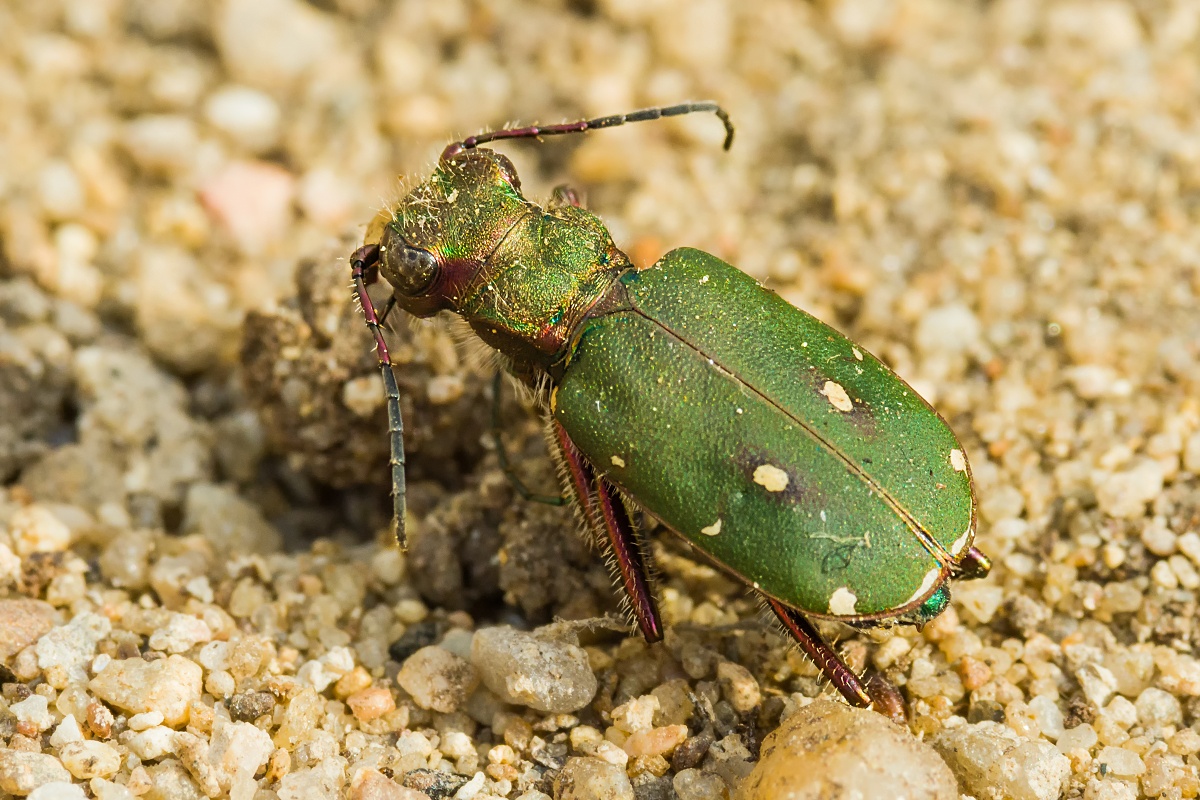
(770, 441)
(522, 276)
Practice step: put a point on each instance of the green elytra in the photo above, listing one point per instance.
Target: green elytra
(782, 451)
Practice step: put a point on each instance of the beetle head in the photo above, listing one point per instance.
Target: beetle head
(433, 243)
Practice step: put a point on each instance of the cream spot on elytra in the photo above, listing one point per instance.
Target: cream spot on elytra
(712, 530)
(617, 461)
(843, 602)
(837, 396)
(857, 353)
(926, 584)
(958, 460)
(771, 478)
(961, 542)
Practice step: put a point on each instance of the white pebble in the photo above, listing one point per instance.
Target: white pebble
(1048, 715)
(471, 788)
(1081, 737)
(1157, 709)
(444, 389)
(1097, 682)
(948, 329)
(1158, 538)
(248, 116)
(33, 710)
(89, 759)
(529, 670)
(35, 529)
(152, 743)
(1125, 494)
(145, 720)
(58, 790)
(181, 633)
(60, 191)
(1121, 762)
(162, 143)
(66, 732)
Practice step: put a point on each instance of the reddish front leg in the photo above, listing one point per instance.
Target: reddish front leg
(605, 513)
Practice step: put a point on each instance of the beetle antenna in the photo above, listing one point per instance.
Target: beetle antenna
(363, 271)
(613, 121)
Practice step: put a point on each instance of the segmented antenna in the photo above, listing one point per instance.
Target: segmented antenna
(613, 121)
(362, 270)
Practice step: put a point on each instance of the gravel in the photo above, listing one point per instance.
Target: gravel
(198, 597)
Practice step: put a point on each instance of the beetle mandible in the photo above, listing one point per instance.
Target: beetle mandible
(785, 453)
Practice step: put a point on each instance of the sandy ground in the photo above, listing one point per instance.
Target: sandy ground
(999, 199)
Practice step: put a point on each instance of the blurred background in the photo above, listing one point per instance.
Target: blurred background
(1000, 199)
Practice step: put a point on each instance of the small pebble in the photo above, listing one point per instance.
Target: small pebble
(252, 201)
(64, 652)
(656, 741)
(740, 687)
(371, 703)
(66, 732)
(992, 762)
(829, 750)
(22, 772)
(167, 685)
(371, 784)
(1081, 737)
(248, 116)
(164, 144)
(237, 751)
(22, 622)
(58, 791)
(584, 778)
(36, 529)
(1048, 715)
(147, 719)
(437, 679)
(1120, 762)
(250, 706)
(1157, 709)
(692, 784)
(32, 713)
(86, 760)
(541, 673)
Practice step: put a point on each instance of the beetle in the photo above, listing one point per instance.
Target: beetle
(782, 451)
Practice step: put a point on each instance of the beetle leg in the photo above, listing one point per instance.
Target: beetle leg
(564, 195)
(816, 648)
(973, 565)
(605, 512)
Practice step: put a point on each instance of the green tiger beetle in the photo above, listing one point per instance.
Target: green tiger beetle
(788, 455)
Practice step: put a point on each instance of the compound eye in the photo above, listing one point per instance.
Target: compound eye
(410, 270)
(508, 170)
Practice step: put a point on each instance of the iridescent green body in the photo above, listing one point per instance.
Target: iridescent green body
(784, 451)
(789, 455)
